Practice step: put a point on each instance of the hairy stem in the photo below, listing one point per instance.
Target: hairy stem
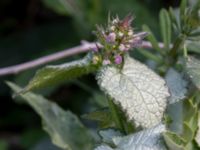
(85, 47)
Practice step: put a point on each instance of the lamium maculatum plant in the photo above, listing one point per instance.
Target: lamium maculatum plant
(148, 107)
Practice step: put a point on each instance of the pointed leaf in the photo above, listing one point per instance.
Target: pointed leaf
(149, 139)
(165, 25)
(197, 138)
(173, 141)
(62, 126)
(140, 92)
(104, 118)
(52, 75)
(176, 84)
(63, 7)
(151, 37)
(183, 7)
(193, 70)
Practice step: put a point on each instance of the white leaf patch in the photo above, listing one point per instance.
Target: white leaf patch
(177, 85)
(149, 139)
(141, 93)
(103, 147)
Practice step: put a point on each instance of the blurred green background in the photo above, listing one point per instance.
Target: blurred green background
(33, 28)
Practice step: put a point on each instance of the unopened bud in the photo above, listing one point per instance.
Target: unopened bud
(111, 37)
(106, 62)
(122, 47)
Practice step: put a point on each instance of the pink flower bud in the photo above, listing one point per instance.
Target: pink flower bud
(95, 49)
(111, 37)
(122, 47)
(106, 62)
(118, 59)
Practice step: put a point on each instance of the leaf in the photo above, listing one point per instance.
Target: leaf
(140, 92)
(62, 126)
(193, 70)
(149, 139)
(183, 7)
(52, 75)
(193, 46)
(104, 117)
(173, 141)
(103, 147)
(185, 126)
(108, 134)
(175, 112)
(165, 25)
(63, 7)
(176, 84)
(151, 38)
(197, 138)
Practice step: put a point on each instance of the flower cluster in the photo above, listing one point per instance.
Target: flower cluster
(116, 39)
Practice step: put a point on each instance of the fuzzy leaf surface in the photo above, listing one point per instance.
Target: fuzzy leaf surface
(149, 139)
(193, 70)
(177, 85)
(54, 74)
(62, 126)
(139, 91)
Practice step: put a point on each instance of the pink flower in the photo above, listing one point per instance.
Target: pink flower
(122, 47)
(95, 49)
(106, 62)
(111, 37)
(118, 59)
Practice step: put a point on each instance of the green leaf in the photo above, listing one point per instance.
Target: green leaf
(173, 141)
(197, 138)
(52, 75)
(62, 126)
(102, 116)
(139, 91)
(151, 38)
(193, 70)
(193, 46)
(174, 19)
(3, 145)
(64, 7)
(183, 7)
(165, 25)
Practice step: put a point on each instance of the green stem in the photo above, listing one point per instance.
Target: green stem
(116, 115)
(185, 54)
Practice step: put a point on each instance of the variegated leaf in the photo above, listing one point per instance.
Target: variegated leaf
(140, 92)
